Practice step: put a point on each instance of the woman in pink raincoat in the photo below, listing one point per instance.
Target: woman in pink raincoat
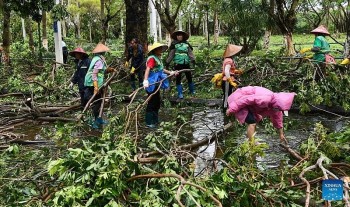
(250, 104)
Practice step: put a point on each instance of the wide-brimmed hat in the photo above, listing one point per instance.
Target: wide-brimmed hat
(100, 48)
(157, 45)
(232, 50)
(78, 50)
(320, 30)
(184, 34)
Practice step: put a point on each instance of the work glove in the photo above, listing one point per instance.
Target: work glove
(238, 71)
(70, 85)
(132, 71)
(110, 70)
(304, 50)
(308, 56)
(145, 83)
(346, 61)
(126, 64)
(95, 87)
(232, 83)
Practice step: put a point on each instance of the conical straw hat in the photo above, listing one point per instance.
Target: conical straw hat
(78, 50)
(100, 48)
(156, 45)
(232, 50)
(184, 34)
(320, 29)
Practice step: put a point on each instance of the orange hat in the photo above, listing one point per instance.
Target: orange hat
(178, 32)
(100, 48)
(157, 45)
(320, 30)
(232, 50)
(78, 50)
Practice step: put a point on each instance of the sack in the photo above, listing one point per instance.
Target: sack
(329, 59)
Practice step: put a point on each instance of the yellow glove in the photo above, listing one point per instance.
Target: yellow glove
(126, 64)
(308, 56)
(304, 50)
(346, 61)
(132, 71)
(95, 87)
(232, 83)
(238, 71)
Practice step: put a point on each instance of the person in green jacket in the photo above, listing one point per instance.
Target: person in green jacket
(321, 48)
(94, 80)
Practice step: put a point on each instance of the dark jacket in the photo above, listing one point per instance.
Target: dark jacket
(79, 74)
(137, 58)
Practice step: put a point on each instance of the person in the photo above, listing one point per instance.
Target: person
(321, 47)
(94, 80)
(154, 73)
(229, 71)
(82, 61)
(136, 57)
(251, 103)
(181, 54)
(65, 52)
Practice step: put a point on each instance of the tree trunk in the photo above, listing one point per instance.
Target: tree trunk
(289, 44)
(267, 39)
(216, 28)
(90, 32)
(23, 29)
(103, 21)
(44, 25)
(153, 21)
(136, 21)
(159, 28)
(28, 24)
(77, 25)
(6, 34)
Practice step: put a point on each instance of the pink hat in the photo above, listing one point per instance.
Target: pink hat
(78, 50)
(320, 30)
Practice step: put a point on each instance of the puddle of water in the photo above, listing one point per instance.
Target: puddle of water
(208, 120)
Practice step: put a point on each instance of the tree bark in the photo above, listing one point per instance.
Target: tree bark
(44, 26)
(289, 44)
(28, 24)
(6, 34)
(267, 39)
(216, 27)
(136, 21)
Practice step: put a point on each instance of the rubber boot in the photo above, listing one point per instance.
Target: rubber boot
(191, 88)
(100, 121)
(150, 119)
(179, 91)
(95, 125)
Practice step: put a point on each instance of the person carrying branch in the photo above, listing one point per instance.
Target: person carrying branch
(94, 80)
(82, 61)
(229, 72)
(137, 62)
(251, 103)
(155, 77)
(321, 47)
(182, 55)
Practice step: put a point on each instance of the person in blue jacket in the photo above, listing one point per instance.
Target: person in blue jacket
(154, 74)
(82, 61)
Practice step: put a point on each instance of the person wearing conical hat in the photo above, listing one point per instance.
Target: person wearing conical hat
(321, 47)
(181, 53)
(94, 80)
(155, 77)
(82, 61)
(229, 71)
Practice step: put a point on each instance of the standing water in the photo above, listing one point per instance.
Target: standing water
(207, 121)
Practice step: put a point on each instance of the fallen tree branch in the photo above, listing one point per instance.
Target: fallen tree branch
(182, 182)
